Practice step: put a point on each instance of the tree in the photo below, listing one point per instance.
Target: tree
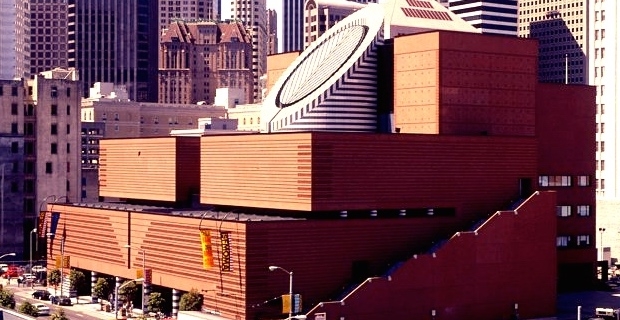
(102, 288)
(128, 290)
(59, 315)
(7, 299)
(191, 301)
(156, 301)
(77, 279)
(53, 278)
(28, 308)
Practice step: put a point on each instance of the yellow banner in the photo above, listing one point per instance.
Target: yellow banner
(286, 303)
(57, 262)
(207, 249)
(139, 273)
(66, 262)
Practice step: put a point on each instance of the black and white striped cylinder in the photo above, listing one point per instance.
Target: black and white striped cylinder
(332, 85)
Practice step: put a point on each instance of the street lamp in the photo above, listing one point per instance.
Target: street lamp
(290, 288)
(143, 275)
(8, 254)
(116, 294)
(601, 230)
(30, 240)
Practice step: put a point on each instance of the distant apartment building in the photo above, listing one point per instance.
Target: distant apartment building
(115, 41)
(320, 15)
(561, 28)
(253, 14)
(123, 118)
(196, 58)
(39, 150)
(48, 35)
(272, 32)
(12, 165)
(170, 11)
(490, 16)
(15, 39)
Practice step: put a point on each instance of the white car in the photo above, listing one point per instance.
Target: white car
(4, 267)
(29, 276)
(42, 310)
(39, 269)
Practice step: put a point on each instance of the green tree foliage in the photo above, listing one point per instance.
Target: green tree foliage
(28, 308)
(59, 315)
(156, 301)
(77, 278)
(7, 299)
(191, 301)
(53, 278)
(102, 288)
(128, 291)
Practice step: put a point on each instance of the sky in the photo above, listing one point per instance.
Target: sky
(271, 4)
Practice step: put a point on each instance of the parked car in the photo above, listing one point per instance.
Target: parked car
(61, 301)
(4, 267)
(37, 269)
(13, 271)
(42, 310)
(28, 276)
(41, 295)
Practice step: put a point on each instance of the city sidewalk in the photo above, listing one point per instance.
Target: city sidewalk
(81, 304)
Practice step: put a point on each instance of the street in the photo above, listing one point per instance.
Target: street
(76, 311)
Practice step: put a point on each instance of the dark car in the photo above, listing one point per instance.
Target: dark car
(61, 301)
(41, 295)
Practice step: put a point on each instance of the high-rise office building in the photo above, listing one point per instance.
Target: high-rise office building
(490, 16)
(14, 39)
(320, 15)
(253, 14)
(48, 35)
(115, 41)
(561, 27)
(170, 11)
(293, 38)
(199, 57)
(272, 32)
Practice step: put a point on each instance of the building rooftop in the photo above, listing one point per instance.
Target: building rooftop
(232, 215)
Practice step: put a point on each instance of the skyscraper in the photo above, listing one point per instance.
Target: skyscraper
(253, 14)
(14, 39)
(48, 35)
(115, 41)
(490, 16)
(561, 29)
(272, 31)
(188, 10)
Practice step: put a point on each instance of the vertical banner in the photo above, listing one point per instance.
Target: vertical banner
(54, 223)
(286, 304)
(41, 224)
(226, 257)
(66, 262)
(148, 277)
(207, 249)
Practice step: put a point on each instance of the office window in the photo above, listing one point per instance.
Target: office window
(554, 181)
(14, 91)
(583, 210)
(583, 181)
(14, 109)
(562, 241)
(14, 147)
(563, 211)
(54, 129)
(54, 148)
(68, 129)
(68, 148)
(68, 92)
(14, 187)
(583, 240)
(14, 128)
(54, 92)
(54, 110)
(48, 167)
(68, 110)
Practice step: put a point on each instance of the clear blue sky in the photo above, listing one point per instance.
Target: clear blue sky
(271, 4)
